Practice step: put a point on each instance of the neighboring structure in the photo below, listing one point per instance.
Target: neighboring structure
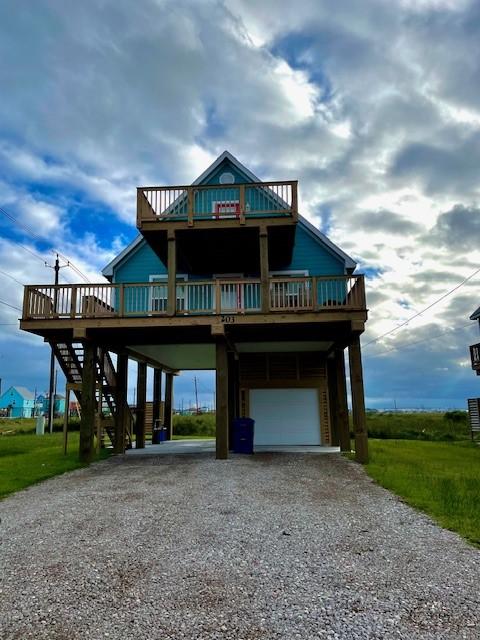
(43, 404)
(225, 275)
(475, 348)
(474, 403)
(17, 402)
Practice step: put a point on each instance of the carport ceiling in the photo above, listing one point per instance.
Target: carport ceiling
(202, 356)
(179, 356)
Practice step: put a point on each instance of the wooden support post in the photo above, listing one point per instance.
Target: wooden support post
(342, 407)
(87, 422)
(141, 404)
(233, 393)
(121, 402)
(358, 401)
(157, 397)
(66, 415)
(333, 400)
(242, 203)
(190, 206)
(264, 280)
(221, 400)
(168, 421)
(172, 274)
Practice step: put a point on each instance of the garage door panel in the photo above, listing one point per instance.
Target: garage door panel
(285, 416)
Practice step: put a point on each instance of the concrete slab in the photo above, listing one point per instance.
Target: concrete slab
(177, 447)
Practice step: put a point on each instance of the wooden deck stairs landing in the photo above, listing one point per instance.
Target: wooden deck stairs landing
(70, 358)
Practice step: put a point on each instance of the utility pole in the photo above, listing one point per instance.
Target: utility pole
(51, 391)
(196, 395)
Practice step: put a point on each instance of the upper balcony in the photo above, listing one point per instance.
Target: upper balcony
(224, 205)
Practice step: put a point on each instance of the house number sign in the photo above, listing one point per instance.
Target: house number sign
(228, 319)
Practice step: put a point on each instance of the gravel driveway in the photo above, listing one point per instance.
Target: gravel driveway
(269, 546)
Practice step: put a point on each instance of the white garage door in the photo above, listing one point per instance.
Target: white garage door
(285, 416)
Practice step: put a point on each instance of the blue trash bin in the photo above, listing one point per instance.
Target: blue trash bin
(158, 435)
(243, 431)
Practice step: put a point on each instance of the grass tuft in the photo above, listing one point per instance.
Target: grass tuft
(28, 459)
(440, 478)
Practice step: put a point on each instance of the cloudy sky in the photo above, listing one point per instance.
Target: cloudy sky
(374, 106)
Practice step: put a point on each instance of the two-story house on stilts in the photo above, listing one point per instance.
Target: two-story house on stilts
(225, 275)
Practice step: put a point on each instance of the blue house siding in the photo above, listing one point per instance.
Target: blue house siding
(309, 254)
(226, 166)
(139, 266)
(16, 404)
(256, 198)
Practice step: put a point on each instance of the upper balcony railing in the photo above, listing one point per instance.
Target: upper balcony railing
(194, 203)
(211, 297)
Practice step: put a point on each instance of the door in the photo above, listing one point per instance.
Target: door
(285, 416)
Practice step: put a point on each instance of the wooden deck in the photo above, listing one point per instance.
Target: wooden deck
(228, 297)
(230, 203)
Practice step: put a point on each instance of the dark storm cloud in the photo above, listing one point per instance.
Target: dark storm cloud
(457, 229)
(387, 222)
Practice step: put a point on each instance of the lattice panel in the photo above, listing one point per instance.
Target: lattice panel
(324, 418)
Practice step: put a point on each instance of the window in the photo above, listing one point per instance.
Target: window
(226, 209)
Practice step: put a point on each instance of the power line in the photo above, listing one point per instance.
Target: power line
(35, 255)
(411, 344)
(10, 305)
(445, 295)
(36, 235)
(12, 278)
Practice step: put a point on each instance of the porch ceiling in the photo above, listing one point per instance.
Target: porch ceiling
(179, 356)
(202, 356)
(282, 347)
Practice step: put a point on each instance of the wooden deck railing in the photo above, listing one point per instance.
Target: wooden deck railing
(206, 202)
(193, 297)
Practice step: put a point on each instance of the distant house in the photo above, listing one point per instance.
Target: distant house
(17, 402)
(43, 404)
(475, 348)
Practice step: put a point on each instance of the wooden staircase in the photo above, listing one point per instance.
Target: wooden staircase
(70, 358)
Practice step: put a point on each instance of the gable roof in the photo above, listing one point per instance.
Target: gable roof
(350, 264)
(475, 315)
(226, 155)
(23, 391)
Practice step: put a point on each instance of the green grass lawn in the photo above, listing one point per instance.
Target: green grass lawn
(27, 459)
(440, 478)
(436, 426)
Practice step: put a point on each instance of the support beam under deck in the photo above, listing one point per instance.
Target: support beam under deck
(358, 401)
(342, 406)
(121, 403)
(221, 400)
(141, 404)
(168, 418)
(87, 422)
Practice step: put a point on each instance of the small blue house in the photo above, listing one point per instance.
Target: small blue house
(17, 402)
(43, 404)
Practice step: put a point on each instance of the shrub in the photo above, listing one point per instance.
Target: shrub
(418, 426)
(201, 425)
